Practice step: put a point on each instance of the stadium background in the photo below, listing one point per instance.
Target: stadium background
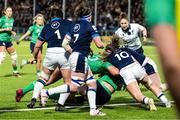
(106, 12)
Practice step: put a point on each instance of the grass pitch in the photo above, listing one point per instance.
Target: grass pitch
(9, 84)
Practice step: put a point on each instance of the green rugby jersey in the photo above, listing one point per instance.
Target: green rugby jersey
(160, 12)
(6, 23)
(99, 67)
(35, 31)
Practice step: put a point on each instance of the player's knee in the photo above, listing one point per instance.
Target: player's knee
(14, 57)
(44, 76)
(2, 56)
(73, 88)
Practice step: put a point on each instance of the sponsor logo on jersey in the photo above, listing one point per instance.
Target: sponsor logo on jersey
(76, 28)
(55, 25)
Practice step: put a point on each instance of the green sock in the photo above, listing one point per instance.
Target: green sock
(54, 96)
(38, 71)
(29, 87)
(15, 70)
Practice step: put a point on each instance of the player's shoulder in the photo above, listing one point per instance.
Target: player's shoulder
(119, 30)
(31, 27)
(67, 21)
(3, 18)
(134, 25)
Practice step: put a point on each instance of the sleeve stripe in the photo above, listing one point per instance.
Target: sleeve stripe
(95, 35)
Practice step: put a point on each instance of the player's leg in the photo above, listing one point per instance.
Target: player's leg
(66, 74)
(22, 91)
(152, 71)
(31, 60)
(56, 75)
(91, 94)
(130, 74)
(12, 52)
(153, 82)
(102, 96)
(134, 90)
(39, 85)
(2, 51)
(156, 91)
(39, 63)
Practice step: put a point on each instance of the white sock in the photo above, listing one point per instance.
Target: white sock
(63, 97)
(92, 99)
(162, 98)
(60, 89)
(145, 100)
(37, 89)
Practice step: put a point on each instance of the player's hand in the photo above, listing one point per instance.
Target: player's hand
(13, 33)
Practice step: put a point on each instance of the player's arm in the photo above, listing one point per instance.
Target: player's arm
(144, 32)
(37, 48)
(24, 36)
(40, 42)
(98, 42)
(66, 43)
(13, 33)
(96, 37)
(5, 29)
(30, 30)
(111, 69)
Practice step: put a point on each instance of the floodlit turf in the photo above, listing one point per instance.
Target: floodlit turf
(9, 84)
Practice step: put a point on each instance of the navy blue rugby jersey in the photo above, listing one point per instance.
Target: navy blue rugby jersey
(54, 32)
(120, 58)
(82, 34)
(139, 57)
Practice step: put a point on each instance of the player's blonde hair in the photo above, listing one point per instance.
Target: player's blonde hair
(38, 15)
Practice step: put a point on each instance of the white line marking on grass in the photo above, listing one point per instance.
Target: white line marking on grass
(84, 106)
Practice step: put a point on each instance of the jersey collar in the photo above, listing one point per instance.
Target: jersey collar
(54, 19)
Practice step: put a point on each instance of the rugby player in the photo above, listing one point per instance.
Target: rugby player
(83, 33)
(129, 33)
(34, 31)
(53, 33)
(6, 30)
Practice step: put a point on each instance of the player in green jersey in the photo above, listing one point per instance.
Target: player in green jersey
(107, 84)
(95, 63)
(34, 31)
(6, 30)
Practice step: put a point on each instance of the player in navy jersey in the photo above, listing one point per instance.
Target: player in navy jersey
(130, 70)
(151, 69)
(125, 55)
(82, 34)
(53, 33)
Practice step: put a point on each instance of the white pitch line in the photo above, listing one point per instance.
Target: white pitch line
(84, 106)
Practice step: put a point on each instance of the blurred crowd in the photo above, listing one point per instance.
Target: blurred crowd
(108, 11)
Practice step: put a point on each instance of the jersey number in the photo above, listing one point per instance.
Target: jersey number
(58, 34)
(76, 37)
(121, 55)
